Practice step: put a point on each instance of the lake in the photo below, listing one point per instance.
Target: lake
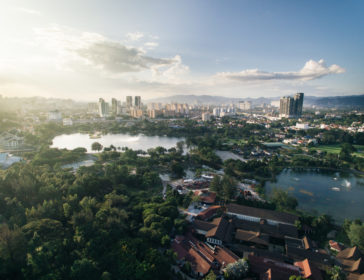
(338, 194)
(135, 142)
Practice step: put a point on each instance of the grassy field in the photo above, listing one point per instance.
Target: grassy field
(335, 149)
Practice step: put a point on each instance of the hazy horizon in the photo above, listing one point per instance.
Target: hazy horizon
(83, 50)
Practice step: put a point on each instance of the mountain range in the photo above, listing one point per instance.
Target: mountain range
(353, 101)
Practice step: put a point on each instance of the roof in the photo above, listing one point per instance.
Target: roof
(179, 250)
(353, 265)
(202, 225)
(336, 246)
(205, 196)
(203, 257)
(220, 229)
(355, 276)
(307, 242)
(278, 270)
(262, 213)
(308, 270)
(198, 262)
(225, 256)
(209, 212)
(278, 231)
(252, 236)
(304, 243)
(348, 253)
(318, 258)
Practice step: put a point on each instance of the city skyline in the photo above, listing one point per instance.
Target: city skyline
(138, 48)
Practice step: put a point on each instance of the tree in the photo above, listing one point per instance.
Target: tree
(283, 200)
(336, 273)
(356, 235)
(180, 146)
(295, 277)
(96, 146)
(216, 186)
(228, 187)
(12, 252)
(210, 276)
(177, 169)
(236, 270)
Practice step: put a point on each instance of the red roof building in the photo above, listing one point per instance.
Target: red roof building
(202, 256)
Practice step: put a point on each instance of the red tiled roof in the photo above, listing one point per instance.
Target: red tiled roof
(349, 253)
(180, 251)
(252, 236)
(202, 225)
(199, 264)
(335, 245)
(201, 256)
(209, 212)
(225, 256)
(308, 270)
(279, 270)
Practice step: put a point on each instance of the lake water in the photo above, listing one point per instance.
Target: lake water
(135, 142)
(340, 195)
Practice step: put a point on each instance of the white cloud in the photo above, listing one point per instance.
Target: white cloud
(95, 50)
(27, 11)
(134, 36)
(311, 71)
(151, 45)
(117, 58)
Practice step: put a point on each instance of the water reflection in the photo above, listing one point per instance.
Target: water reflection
(339, 194)
(138, 142)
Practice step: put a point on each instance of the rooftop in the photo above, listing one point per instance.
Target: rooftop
(262, 213)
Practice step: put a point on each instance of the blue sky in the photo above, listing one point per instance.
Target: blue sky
(85, 49)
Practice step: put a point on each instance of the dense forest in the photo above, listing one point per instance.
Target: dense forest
(102, 222)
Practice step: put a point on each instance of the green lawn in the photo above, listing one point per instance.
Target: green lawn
(335, 149)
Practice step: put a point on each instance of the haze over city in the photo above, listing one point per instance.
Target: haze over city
(87, 49)
(181, 140)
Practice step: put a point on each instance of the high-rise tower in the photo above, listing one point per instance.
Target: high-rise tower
(137, 102)
(291, 107)
(129, 101)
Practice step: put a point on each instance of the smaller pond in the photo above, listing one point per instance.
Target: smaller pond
(338, 194)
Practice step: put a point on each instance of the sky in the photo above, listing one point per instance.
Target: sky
(86, 49)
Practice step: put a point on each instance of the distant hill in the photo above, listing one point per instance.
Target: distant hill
(207, 99)
(352, 101)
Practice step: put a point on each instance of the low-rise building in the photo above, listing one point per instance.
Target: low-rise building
(202, 256)
(257, 214)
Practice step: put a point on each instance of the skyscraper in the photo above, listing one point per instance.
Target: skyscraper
(298, 99)
(291, 107)
(114, 106)
(103, 108)
(137, 102)
(129, 101)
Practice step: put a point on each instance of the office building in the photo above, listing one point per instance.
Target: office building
(245, 105)
(291, 107)
(114, 106)
(216, 112)
(54, 115)
(206, 116)
(298, 99)
(103, 108)
(136, 113)
(129, 101)
(138, 102)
